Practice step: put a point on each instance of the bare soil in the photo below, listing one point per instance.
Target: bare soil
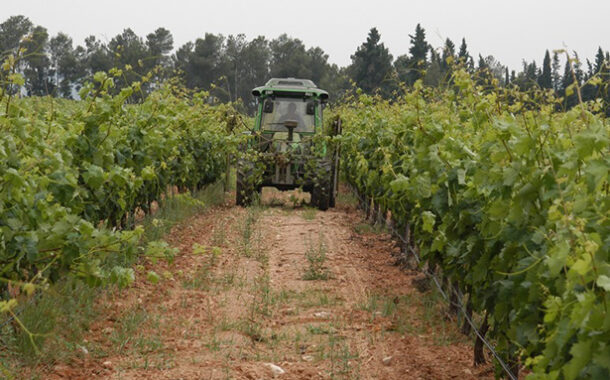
(286, 286)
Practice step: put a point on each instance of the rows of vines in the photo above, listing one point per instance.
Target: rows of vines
(77, 175)
(509, 198)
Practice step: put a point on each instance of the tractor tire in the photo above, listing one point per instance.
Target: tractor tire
(331, 199)
(245, 192)
(321, 195)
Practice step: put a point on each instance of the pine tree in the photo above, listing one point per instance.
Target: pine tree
(37, 63)
(545, 80)
(371, 64)
(463, 54)
(555, 76)
(482, 64)
(418, 54)
(483, 74)
(599, 61)
(464, 57)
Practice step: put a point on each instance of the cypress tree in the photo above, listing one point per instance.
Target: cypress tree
(546, 77)
(599, 61)
(482, 63)
(464, 57)
(483, 73)
(555, 76)
(418, 52)
(371, 63)
(463, 53)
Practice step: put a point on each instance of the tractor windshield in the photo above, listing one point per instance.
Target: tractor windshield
(287, 109)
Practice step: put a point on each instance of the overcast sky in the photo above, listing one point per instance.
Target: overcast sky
(511, 30)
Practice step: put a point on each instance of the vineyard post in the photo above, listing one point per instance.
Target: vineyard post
(453, 298)
(513, 359)
(360, 199)
(466, 328)
(376, 213)
(479, 355)
(227, 181)
(231, 123)
(405, 243)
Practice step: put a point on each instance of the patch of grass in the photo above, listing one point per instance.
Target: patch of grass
(372, 303)
(346, 198)
(138, 333)
(58, 319)
(320, 329)
(426, 312)
(344, 361)
(434, 316)
(203, 277)
(130, 332)
(219, 235)
(309, 213)
(316, 298)
(316, 257)
(366, 228)
(263, 298)
(250, 235)
(179, 207)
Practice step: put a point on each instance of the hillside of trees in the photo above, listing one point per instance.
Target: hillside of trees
(229, 67)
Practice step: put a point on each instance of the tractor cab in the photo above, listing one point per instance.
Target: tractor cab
(289, 109)
(288, 116)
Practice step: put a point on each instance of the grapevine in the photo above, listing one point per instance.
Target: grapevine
(510, 201)
(76, 176)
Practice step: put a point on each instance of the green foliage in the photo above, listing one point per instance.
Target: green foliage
(75, 177)
(510, 200)
(371, 67)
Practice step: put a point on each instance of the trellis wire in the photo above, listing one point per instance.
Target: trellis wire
(459, 304)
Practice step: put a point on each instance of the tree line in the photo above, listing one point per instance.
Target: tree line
(229, 67)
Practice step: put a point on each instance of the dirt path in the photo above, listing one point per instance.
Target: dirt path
(256, 292)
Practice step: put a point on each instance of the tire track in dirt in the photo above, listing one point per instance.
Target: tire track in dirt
(229, 315)
(375, 314)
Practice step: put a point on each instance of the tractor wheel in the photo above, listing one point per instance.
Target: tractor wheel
(245, 192)
(320, 195)
(331, 199)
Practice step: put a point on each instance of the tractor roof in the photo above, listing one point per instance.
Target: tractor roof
(290, 85)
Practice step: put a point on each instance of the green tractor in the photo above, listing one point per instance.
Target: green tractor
(285, 140)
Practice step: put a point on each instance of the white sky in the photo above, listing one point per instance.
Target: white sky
(509, 30)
